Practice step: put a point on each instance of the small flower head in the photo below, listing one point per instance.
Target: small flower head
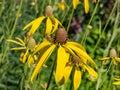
(27, 45)
(48, 11)
(80, 66)
(61, 5)
(112, 56)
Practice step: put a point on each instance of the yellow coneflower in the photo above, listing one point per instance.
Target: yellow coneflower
(51, 22)
(27, 45)
(75, 3)
(79, 66)
(61, 5)
(113, 57)
(86, 5)
(64, 50)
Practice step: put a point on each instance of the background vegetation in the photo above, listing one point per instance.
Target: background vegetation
(104, 17)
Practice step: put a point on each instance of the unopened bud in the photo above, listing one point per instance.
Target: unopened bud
(113, 52)
(89, 27)
(31, 43)
(48, 11)
(48, 37)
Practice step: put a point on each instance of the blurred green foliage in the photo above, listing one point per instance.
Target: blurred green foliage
(15, 76)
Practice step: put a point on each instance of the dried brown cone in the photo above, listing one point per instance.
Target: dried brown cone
(48, 11)
(31, 43)
(60, 36)
(113, 52)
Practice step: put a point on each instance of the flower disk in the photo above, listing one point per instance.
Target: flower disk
(61, 36)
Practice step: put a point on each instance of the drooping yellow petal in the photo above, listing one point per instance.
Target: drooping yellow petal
(48, 26)
(35, 57)
(76, 3)
(43, 59)
(25, 56)
(55, 25)
(61, 6)
(117, 78)
(30, 60)
(16, 42)
(94, 1)
(77, 78)
(116, 83)
(62, 59)
(83, 59)
(86, 3)
(21, 56)
(71, 52)
(90, 71)
(114, 61)
(62, 0)
(82, 53)
(104, 59)
(42, 45)
(67, 72)
(18, 48)
(20, 40)
(117, 59)
(36, 25)
(32, 23)
(77, 45)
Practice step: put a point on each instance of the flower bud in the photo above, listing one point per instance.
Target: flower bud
(31, 43)
(113, 52)
(89, 27)
(48, 11)
(48, 37)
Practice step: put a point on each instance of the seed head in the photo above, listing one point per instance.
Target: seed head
(48, 11)
(61, 36)
(31, 43)
(113, 52)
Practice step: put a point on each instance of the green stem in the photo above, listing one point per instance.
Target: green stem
(43, 4)
(111, 78)
(111, 63)
(99, 83)
(2, 6)
(70, 19)
(51, 74)
(94, 12)
(113, 36)
(64, 16)
(98, 41)
(106, 51)
(87, 31)
(13, 30)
